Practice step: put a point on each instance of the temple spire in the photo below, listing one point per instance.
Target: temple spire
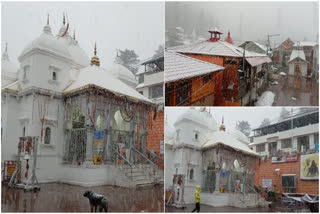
(222, 126)
(64, 19)
(47, 28)
(95, 60)
(5, 55)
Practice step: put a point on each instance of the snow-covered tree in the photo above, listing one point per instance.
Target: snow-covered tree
(175, 37)
(265, 122)
(129, 59)
(159, 52)
(244, 127)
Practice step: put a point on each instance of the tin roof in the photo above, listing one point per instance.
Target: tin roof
(178, 66)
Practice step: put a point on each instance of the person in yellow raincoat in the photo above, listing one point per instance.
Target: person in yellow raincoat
(197, 198)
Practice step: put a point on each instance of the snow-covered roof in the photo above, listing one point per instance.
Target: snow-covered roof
(13, 87)
(121, 72)
(201, 117)
(304, 44)
(255, 61)
(263, 47)
(178, 66)
(297, 54)
(240, 136)
(222, 137)
(218, 48)
(97, 76)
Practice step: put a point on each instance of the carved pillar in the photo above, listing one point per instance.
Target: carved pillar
(89, 145)
(217, 186)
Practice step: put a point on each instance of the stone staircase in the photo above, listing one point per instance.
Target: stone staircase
(140, 175)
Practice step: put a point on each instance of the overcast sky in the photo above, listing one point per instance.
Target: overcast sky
(254, 115)
(248, 20)
(133, 25)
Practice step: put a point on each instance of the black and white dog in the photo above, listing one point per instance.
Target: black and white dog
(96, 201)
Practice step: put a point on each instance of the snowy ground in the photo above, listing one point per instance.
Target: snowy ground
(54, 197)
(287, 95)
(266, 99)
(206, 209)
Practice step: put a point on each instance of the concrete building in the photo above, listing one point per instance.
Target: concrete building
(92, 125)
(289, 153)
(199, 152)
(150, 79)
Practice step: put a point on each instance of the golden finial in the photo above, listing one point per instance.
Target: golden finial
(222, 127)
(95, 60)
(64, 19)
(48, 19)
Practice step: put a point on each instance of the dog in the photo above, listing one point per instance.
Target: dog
(97, 201)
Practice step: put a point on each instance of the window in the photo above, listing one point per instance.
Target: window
(207, 78)
(191, 174)
(316, 139)
(273, 147)
(25, 72)
(288, 182)
(156, 91)
(196, 136)
(47, 136)
(54, 75)
(260, 147)
(286, 143)
(24, 132)
(303, 143)
(141, 92)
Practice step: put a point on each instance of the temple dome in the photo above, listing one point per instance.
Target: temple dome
(201, 117)
(122, 73)
(169, 131)
(8, 70)
(65, 46)
(47, 42)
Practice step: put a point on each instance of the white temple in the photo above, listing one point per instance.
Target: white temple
(203, 154)
(58, 94)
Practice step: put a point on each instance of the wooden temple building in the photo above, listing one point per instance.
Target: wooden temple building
(232, 86)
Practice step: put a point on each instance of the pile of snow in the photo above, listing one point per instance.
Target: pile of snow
(282, 73)
(275, 83)
(266, 99)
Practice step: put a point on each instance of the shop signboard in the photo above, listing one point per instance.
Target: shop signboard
(267, 183)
